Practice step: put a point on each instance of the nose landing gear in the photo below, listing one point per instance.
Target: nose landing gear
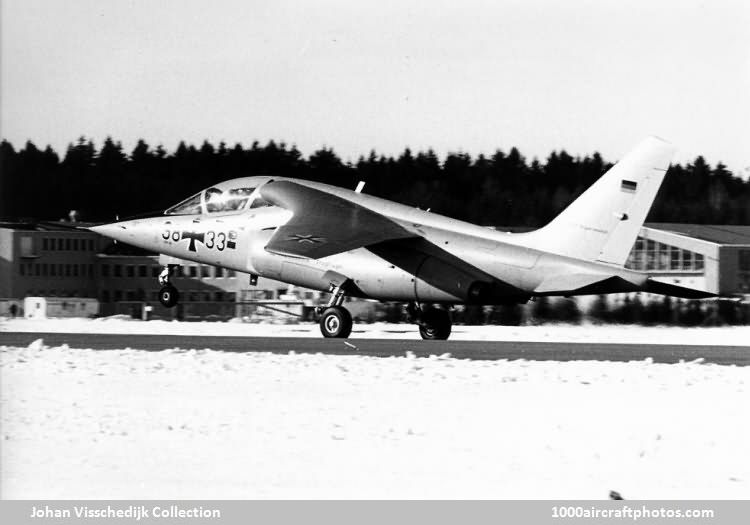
(168, 294)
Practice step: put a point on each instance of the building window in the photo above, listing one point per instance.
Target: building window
(105, 270)
(231, 274)
(75, 270)
(118, 270)
(674, 258)
(130, 295)
(699, 262)
(155, 270)
(219, 272)
(27, 246)
(662, 256)
(650, 255)
(22, 269)
(744, 260)
(91, 270)
(142, 270)
(45, 244)
(231, 296)
(75, 245)
(44, 269)
(67, 244)
(118, 296)
(192, 296)
(218, 296)
(205, 271)
(193, 271)
(687, 260)
(105, 296)
(37, 269)
(130, 270)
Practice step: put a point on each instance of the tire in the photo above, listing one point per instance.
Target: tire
(435, 325)
(336, 322)
(169, 296)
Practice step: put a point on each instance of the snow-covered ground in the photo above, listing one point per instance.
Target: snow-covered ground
(735, 335)
(80, 423)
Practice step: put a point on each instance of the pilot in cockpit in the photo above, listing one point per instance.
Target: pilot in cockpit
(214, 200)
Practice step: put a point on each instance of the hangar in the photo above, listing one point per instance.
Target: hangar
(713, 258)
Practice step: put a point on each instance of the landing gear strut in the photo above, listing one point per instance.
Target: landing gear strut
(434, 323)
(168, 294)
(336, 321)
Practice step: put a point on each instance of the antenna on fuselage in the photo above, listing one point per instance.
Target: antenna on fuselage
(360, 185)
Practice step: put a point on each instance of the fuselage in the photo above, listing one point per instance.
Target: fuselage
(235, 236)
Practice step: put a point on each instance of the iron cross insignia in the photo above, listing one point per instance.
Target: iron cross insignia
(312, 239)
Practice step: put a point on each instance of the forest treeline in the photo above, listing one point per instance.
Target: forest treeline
(503, 189)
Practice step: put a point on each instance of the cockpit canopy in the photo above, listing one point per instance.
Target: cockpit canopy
(228, 197)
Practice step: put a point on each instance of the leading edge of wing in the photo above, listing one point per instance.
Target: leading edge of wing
(324, 224)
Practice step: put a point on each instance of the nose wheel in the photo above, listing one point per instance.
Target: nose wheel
(169, 296)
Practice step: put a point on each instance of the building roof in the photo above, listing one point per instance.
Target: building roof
(716, 233)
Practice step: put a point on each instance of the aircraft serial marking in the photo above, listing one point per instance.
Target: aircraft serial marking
(210, 239)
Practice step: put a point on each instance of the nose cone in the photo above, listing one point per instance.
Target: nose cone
(142, 233)
(118, 231)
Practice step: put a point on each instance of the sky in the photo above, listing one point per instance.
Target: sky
(466, 76)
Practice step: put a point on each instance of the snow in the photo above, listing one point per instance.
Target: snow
(728, 335)
(194, 424)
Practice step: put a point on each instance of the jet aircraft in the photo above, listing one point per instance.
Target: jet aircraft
(348, 243)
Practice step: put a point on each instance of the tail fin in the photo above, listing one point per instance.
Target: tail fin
(603, 223)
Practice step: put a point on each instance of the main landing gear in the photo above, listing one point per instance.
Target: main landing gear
(434, 323)
(336, 321)
(168, 294)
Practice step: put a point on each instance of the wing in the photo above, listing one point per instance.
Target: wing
(323, 224)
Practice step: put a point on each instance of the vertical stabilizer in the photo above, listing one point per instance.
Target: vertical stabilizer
(603, 223)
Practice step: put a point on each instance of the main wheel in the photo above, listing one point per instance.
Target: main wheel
(336, 322)
(168, 296)
(435, 324)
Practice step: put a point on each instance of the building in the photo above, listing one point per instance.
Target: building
(706, 257)
(46, 260)
(56, 259)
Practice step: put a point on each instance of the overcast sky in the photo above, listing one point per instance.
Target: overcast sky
(354, 75)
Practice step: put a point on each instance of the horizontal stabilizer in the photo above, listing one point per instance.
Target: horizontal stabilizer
(584, 284)
(676, 290)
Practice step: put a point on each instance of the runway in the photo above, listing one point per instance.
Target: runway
(474, 350)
